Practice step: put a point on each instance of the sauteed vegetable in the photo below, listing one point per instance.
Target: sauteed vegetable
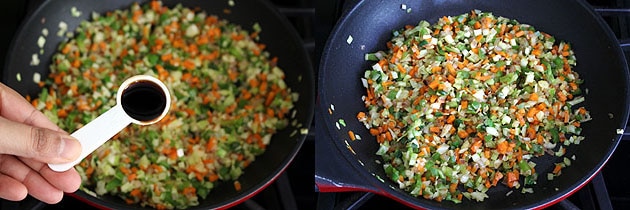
(468, 103)
(229, 98)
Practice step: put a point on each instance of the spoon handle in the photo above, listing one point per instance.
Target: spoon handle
(96, 133)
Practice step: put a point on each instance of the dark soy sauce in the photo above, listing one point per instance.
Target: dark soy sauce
(143, 100)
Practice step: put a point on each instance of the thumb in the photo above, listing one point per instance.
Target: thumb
(41, 144)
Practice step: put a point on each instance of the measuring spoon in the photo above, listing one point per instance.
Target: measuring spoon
(141, 99)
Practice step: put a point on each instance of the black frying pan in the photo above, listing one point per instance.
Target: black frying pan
(370, 23)
(278, 35)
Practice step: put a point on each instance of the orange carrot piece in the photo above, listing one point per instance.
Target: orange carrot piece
(237, 185)
(533, 97)
(502, 147)
(352, 136)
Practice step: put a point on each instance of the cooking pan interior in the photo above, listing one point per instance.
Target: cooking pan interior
(600, 63)
(277, 34)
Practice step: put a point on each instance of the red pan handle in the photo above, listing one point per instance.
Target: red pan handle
(333, 173)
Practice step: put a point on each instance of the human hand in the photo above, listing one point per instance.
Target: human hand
(28, 141)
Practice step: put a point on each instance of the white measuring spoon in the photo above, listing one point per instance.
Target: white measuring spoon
(141, 99)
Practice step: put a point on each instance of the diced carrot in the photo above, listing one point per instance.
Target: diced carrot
(462, 134)
(160, 206)
(131, 177)
(487, 184)
(388, 136)
(231, 108)
(485, 77)
(433, 98)
(263, 86)
(49, 105)
(476, 145)
(374, 131)
(497, 177)
(136, 193)
(532, 112)
(211, 144)
(401, 68)
(189, 64)
(270, 97)
(502, 147)
(436, 69)
(502, 29)
(155, 6)
(361, 115)
(452, 187)
(382, 62)
(561, 96)
(237, 185)
(189, 191)
(477, 25)
(511, 178)
(387, 83)
(533, 97)
(76, 63)
(162, 73)
(557, 169)
(451, 69)
(450, 119)
(413, 70)
(582, 110)
(62, 113)
(464, 104)
(66, 49)
(166, 57)
(237, 37)
(434, 84)
(186, 76)
(213, 177)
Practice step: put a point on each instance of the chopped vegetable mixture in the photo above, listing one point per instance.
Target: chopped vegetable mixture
(466, 104)
(229, 98)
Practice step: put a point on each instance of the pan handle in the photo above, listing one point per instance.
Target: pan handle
(333, 173)
(624, 44)
(341, 179)
(612, 11)
(626, 133)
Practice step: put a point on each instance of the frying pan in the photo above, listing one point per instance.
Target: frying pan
(277, 34)
(600, 63)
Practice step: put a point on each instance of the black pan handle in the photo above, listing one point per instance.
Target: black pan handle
(626, 134)
(612, 11)
(624, 44)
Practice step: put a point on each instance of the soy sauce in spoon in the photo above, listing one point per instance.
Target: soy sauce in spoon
(143, 100)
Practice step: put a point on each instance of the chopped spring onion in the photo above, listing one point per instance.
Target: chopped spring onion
(75, 12)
